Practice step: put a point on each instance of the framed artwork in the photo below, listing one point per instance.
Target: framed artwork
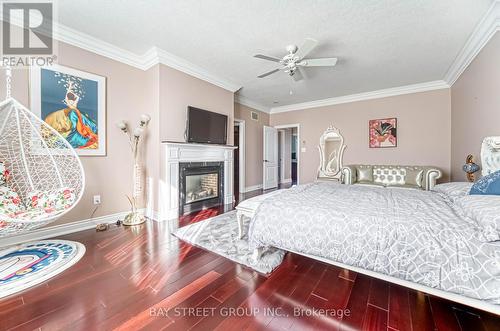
(73, 102)
(383, 133)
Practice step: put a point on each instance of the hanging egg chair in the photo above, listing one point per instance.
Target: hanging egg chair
(41, 176)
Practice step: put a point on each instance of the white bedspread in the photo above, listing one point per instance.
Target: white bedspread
(410, 234)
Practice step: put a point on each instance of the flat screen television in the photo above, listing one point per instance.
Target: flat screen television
(206, 127)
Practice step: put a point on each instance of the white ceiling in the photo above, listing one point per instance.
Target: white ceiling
(380, 43)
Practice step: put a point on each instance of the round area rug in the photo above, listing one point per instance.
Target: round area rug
(30, 264)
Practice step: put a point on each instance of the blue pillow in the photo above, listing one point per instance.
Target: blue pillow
(488, 185)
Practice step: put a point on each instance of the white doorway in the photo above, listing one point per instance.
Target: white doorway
(270, 159)
(289, 153)
(239, 157)
(285, 155)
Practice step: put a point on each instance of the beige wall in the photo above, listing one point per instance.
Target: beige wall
(178, 91)
(161, 92)
(475, 104)
(254, 134)
(110, 175)
(423, 131)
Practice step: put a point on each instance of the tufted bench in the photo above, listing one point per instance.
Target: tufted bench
(419, 177)
(247, 208)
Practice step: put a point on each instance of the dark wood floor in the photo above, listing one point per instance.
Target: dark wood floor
(144, 278)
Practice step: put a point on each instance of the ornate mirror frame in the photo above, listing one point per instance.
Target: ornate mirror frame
(330, 166)
(490, 155)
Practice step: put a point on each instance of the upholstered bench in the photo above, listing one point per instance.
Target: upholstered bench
(419, 177)
(247, 208)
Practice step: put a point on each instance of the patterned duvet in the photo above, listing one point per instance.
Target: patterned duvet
(409, 234)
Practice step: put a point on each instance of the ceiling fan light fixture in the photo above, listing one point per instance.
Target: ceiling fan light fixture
(296, 59)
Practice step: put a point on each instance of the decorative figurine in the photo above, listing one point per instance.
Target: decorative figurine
(470, 168)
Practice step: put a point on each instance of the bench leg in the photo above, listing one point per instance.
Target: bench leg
(257, 253)
(239, 217)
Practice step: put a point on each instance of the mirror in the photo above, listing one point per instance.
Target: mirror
(331, 151)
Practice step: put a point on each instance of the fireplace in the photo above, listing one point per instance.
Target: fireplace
(200, 186)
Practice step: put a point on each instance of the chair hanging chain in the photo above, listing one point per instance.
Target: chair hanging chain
(8, 79)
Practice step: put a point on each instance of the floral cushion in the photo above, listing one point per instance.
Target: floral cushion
(4, 174)
(29, 214)
(50, 201)
(10, 203)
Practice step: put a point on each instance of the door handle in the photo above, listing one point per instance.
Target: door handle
(266, 161)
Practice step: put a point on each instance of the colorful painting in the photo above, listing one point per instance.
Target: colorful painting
(73, 103)
(383, 133)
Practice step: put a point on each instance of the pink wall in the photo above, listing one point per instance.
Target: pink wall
(475, 104)
(162, 92)
(179, 90)
(423, 131)
(110, 175)
(254, 143)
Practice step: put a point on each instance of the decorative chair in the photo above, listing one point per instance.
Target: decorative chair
(40, 162)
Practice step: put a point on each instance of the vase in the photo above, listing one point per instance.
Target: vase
(136, 217)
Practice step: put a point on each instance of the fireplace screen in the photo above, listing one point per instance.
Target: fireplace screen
(201, 187)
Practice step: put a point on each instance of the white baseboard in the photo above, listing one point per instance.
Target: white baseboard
(286, 181)
(253, 188)
(59, 230)
(152, 215)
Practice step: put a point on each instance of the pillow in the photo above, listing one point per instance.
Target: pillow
(10, 203)
(488, 185)
(4, 174)
(453, 189)
(483, 210)
(414, 177)
(50, 201)
(364, 174)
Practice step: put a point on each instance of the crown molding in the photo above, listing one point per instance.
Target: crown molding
(390, 92)
(86, 42)
(157, 55)
(149, 59)
(481, 35)
(251, 104)
(484, 31)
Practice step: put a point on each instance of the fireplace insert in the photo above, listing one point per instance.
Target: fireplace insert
(200, 186)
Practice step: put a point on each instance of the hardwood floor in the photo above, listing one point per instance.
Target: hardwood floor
(144, 278)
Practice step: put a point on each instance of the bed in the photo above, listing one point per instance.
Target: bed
(419, 239)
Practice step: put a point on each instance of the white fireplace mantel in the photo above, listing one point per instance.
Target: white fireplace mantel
(173, 153)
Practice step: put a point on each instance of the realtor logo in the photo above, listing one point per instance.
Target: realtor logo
(27, 33)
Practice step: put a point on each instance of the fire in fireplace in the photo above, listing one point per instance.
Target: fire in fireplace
(201, 185)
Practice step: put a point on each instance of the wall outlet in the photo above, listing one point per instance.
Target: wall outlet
(303, 149)
(97, 199)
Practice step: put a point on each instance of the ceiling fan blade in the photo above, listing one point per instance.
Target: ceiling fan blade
(325, 62)
(297, 76)
(266, 57)
(306, 48)
(269, 73)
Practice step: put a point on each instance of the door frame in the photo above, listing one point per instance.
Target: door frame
(281, 152)
(297, 126)
(276, 155)
(241, 151)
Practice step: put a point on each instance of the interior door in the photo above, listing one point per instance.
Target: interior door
(270, 166)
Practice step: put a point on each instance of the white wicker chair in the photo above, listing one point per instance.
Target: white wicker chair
(39, 158)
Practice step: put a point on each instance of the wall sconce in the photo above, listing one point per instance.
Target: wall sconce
(470, 168)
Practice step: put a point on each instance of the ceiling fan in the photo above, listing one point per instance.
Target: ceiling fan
(295, 60)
